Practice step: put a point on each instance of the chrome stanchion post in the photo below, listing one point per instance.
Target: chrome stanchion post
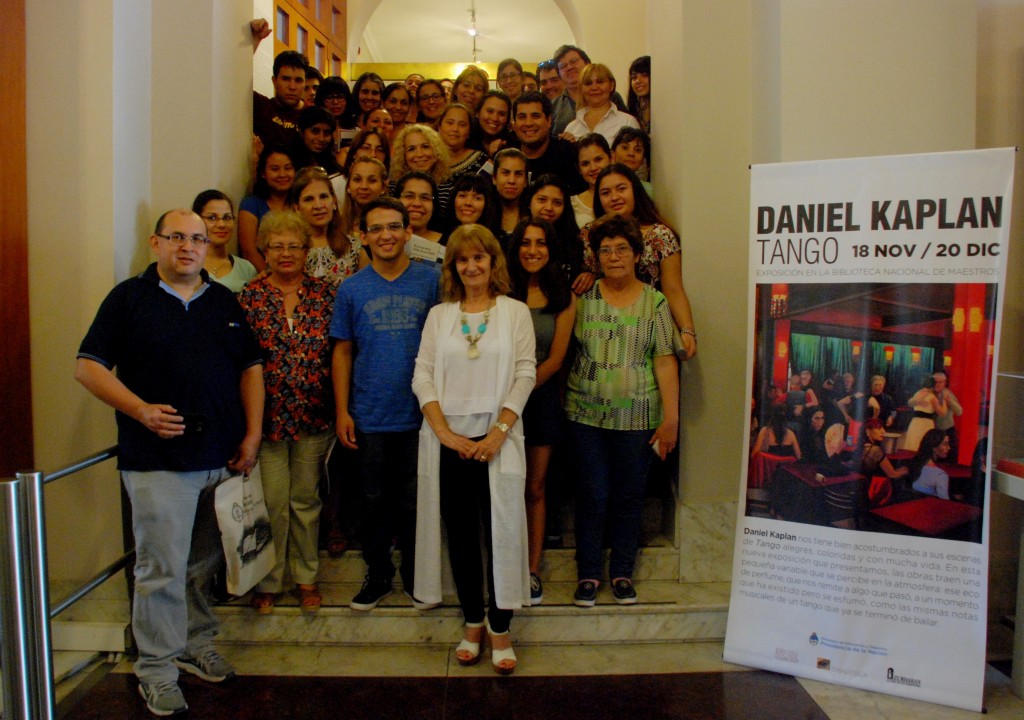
(15, 650)
(38, 593)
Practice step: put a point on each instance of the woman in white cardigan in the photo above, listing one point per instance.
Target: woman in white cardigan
(474, 372)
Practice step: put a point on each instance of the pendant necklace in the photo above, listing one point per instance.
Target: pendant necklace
(219, 267)
(474, 351)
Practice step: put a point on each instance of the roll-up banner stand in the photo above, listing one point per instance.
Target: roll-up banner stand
(876, 289)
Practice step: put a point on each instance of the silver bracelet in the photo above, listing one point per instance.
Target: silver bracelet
(688, 331)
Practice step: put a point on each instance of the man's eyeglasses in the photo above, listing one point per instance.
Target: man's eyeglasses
(392, 227)
(570, 63)
(179, 239)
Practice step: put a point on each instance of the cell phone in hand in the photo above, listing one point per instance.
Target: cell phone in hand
(194, 423)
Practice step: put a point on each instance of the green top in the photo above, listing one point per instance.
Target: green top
(612, 383)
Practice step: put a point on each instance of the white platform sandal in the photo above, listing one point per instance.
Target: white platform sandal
(502, 660)
(468, 652)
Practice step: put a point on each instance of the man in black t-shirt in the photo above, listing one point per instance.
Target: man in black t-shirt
(275, 120)
(544, 154)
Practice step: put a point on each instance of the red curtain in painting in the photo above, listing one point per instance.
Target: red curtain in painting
(970, 364)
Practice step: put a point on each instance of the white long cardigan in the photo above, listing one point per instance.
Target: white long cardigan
(507, 472)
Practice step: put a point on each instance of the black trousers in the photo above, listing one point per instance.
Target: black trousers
(466, 511)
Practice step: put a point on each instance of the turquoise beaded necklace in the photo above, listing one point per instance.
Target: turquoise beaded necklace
(474, 351)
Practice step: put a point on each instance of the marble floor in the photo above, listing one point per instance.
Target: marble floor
(670, 680)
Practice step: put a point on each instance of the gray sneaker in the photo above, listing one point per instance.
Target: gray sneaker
(163, 698)
(210, 666)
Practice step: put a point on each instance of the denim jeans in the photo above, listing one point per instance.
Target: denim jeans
(290, 470)
(611, 477)
(387, 484)
(177, 551)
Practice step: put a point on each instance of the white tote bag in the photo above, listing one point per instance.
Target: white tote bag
(244, 531)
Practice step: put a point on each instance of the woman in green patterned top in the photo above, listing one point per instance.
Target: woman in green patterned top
(622, 401)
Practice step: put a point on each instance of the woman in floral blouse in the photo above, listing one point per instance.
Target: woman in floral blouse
(290, 313)
(332, 254)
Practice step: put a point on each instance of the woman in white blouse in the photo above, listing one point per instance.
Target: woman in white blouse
(474, 373)
(596, 112)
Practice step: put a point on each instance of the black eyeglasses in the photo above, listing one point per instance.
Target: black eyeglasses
(213, 218)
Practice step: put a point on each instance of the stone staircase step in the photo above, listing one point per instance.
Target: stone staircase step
(667, 612)
(658, 560)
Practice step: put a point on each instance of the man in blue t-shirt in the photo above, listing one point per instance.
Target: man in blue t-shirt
(378, 319)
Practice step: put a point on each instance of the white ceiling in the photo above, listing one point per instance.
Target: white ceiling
(436, 31)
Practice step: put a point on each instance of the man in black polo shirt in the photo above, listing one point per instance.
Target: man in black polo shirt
(189, 399)
(531, 113)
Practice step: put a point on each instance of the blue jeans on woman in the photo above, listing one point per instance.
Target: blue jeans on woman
(611, 479)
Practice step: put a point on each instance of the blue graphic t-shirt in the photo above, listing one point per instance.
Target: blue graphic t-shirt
(384, 320)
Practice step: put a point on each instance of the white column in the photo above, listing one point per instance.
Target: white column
(133, 108)
(201, 100)
(736, 82)
(848, 78)
(88, 195)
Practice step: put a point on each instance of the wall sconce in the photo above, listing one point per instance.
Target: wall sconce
(780, 300)
(856, 345)
(975, 319)
(783, 349)
(915, 355)
(890, 351)
(958, 319)
(947, 360)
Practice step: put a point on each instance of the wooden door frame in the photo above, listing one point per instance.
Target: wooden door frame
(16, 449)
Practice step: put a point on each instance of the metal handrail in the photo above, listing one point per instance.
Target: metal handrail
(25, 612)
(101, 577)
(101, 456)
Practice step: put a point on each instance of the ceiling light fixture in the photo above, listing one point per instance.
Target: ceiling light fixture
(473, 32)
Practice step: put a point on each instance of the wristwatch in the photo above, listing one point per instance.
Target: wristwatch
(502, 426)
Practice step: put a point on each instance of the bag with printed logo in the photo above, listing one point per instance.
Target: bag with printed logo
(244, 530)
